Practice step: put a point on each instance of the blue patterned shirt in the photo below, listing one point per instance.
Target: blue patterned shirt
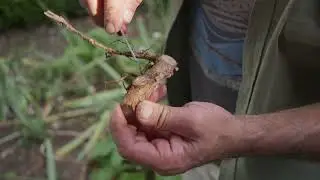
(219, 29)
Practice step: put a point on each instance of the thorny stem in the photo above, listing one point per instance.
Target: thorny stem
(112, 52)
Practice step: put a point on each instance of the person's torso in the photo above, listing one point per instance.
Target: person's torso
(218, 31)
(281, 70)
(277, 67)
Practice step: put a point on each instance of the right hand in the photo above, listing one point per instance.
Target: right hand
(173, 140)
(119, 13)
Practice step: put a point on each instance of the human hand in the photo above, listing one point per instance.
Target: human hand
(172, 140)
(119, 13)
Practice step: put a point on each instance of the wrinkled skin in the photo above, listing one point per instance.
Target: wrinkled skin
(170, 140)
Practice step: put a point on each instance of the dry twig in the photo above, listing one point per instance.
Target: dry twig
(163, 67)
(62, 21)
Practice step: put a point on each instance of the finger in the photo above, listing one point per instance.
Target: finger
(141, 136)
(158, 94)
(124, 29)
(92, 6)
(122, 134)
(95, 9)
(119, 13)
(177, 148)
(130, 10)
(159, 117)
(130, 146)
(174, 147)
(113, 14)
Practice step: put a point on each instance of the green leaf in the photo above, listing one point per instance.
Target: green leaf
(51, 162)
(96, 99)
(72, 145)
(102, 148)
(34, 128)
(116, 160)
(104, 119)
(10, 175)
(169, 177)
(132, 176)
(102, 174)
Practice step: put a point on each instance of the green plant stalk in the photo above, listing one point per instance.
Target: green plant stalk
(115, 75)
(104, 119)
(51, 163)
(94, 99)
(10, 137)
(69, 114)
(143, 32)
(149, 174)
(51, 119)
(66, 149)
(90, 65)
(120, 62)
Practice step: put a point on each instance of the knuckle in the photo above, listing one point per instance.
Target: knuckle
(164, 115)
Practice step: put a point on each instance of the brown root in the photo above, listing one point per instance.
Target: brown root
(143, 86)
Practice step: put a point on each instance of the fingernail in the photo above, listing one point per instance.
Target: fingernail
(145, 111)
(110, 28)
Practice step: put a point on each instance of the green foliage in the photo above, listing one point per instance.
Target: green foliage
(26, 13)
(78, 78)
(22, 13)
(76, 81)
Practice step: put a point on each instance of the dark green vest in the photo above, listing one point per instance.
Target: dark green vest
(281, 70)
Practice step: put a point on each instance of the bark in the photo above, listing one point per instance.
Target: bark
(143, 86)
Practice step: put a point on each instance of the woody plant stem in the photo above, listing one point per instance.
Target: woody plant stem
(163, 67)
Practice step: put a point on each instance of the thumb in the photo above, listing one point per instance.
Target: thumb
(178, 120)
(118, 13)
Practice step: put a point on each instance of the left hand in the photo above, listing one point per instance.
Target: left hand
(119, 13)
(172, 140)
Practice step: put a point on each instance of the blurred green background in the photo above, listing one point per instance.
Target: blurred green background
(74, 90)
